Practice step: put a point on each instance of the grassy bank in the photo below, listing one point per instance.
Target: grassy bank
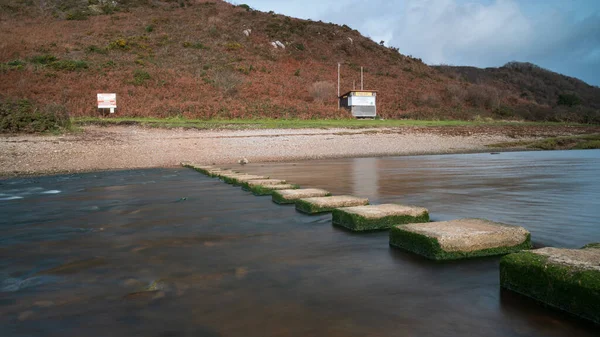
(236, 124)
(581, 142)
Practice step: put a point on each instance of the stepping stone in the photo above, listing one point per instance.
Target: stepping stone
(260, 190)
(328, 204)
(239, 178)
(377, 217)
(264, 182)
(459, 239)
(217, 173)
(211, 171)
(567, 279)
(200, 168)
(290, 196)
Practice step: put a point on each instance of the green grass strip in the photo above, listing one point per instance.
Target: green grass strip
(431, 248)
(566, 288)
(265, 123)
(359, 223)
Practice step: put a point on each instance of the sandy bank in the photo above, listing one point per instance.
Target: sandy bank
(127, 147)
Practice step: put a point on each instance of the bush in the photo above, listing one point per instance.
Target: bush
(43, 59)
(25, 116)
(95, 49)
(431, 100)
(140, 77)
(122, 44)
(483, 96)
(196, 45)
(246, 7)
(228, 81)
(69, 65)
(77, 15)
(568, 99)
(322, 91)
(233, 46)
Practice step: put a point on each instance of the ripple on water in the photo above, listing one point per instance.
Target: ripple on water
(51, 192)
(13, 197)
(16, 284)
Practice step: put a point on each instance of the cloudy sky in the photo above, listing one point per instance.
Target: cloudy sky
(561, 35)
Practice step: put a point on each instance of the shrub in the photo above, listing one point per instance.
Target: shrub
(455, 94)
(43, 59)
(25, 116)
(233, 46)
(196, 45)
(122, 44)
(568, 99)
(140, 77)
(228, 81)
(12, 65)
(297, 72)
(95, 49)
(77, 14)
(483, 96)
(322, 91)
(429, 100)
(69, 65)
(299, 46)
(246, 7)
(149, 28)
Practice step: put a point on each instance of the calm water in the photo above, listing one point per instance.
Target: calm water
(169, 252)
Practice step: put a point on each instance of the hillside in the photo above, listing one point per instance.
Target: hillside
(211, 59)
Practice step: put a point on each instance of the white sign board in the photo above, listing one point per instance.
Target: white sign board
(361, 100)
(107, 101)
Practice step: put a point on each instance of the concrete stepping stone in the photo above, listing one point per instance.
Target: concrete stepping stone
(328, 204)
(264, 182)
(459, 239)
(209, 170)
(377, 217)
(239, 178)
(290, 196)
(260, 190)
(200, 168)
(217, 173)
(567, 279)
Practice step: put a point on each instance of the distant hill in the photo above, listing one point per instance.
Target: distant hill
(212, 59)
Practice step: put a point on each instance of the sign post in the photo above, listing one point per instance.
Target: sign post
(107, 101)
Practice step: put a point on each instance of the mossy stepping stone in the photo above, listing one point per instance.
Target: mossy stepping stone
(260, 190)
(263, 182)
(567, 279)
(239, 179)
(266, 186)
(328, 204)
(460, 239)
(200, 168)
(290, 196)
(377, 217)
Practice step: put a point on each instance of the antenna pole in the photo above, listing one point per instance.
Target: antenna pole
(361, 79)
(339, 65)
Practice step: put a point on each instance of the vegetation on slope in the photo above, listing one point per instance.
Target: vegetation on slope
(581, 142)
(543, 94)
(211, 59)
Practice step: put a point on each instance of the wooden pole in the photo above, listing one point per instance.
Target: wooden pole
(339, 65)
(361, 79)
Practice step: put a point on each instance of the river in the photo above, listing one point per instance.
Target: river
(170, 252)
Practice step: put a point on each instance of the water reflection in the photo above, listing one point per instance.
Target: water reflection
(186, 255)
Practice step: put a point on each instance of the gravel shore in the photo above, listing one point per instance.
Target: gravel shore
(128, 147)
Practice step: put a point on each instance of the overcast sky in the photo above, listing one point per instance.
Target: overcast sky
(560, 35)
